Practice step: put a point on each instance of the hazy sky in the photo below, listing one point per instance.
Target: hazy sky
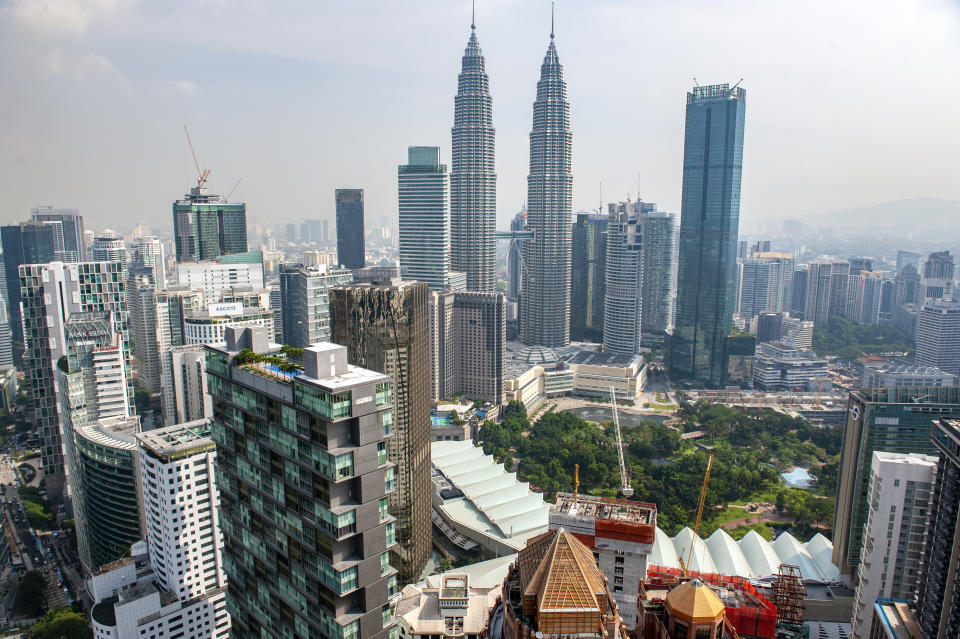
(848, 103)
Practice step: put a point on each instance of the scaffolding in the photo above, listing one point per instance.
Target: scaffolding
(788, 597)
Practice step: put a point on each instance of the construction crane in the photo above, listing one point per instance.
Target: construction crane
(201, 175)
(625, 488)
(684, 562)
(820, 382)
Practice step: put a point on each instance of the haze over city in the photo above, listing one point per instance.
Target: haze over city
(849, 102)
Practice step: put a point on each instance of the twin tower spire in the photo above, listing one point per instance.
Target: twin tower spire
(545, 290)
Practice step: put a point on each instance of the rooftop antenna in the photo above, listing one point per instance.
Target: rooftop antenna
(551, 21)
(201, 175)
(473, 16)
(736, 85)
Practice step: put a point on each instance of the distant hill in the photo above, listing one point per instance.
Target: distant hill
(917, 217)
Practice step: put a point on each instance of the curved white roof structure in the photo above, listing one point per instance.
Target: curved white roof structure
(494, 504)
(753, 557)
(727, 555)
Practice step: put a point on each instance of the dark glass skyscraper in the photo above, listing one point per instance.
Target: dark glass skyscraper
(545, 296)
(473, 183)
(709, 221)
(23, 243)
(351, 251)
(588, 272)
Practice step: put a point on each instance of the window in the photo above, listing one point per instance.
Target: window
(383, 509)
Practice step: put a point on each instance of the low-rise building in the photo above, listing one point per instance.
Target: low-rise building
(778, 367)
(887, 374)
(208, 326)
(454, 609)
(893, 619)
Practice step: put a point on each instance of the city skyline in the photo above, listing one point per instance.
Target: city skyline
(82, 48)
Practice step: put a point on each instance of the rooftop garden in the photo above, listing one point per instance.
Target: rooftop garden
(288, 362)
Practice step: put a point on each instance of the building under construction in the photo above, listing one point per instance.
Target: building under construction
(620, 534)
(729, 606)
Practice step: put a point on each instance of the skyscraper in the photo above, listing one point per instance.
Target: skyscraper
(305, 302)
(51, 293)
(72, 245)
(303, 495)
(828, 281)
(473, 182)
(938, 598)
(424, 217)
(351, 251)
(938, 335)
(659, 254)
(891, 419)
(148, 328)
(623, 301)
(98, 427)
(515, 258)
(23, 243)
(108, 249)
(709, 221)
(545, 300)
(147, 252)
(588, 272)
(384, 327)
(206, 226)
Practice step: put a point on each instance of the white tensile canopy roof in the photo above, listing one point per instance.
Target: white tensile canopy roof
(753, 557)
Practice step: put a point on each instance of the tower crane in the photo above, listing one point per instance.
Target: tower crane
(625, 488)
(685, 561)
(201, 175)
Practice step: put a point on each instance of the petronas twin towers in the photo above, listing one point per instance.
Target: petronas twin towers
(545, 292)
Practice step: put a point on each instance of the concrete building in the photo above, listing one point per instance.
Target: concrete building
(905, 258)
(544, 312)
(907, 288)
(174, 581)
(620, 534)
(938, 336)
(185, 396)
(108, 249)
(938, 595)
(51, 293)
(307, 536)
(778, 367)
(424, 217)
(149, 327)
(351, 243)
(894, 375)
(588, 272)
(893, 620)
(146, 251)
(467, 345)
(6, 337)
(938, 280)
(455, 608)
(901, 486)
(215, 276)
(208, 326)
(623, 301)
(709, 220)
(894, 420)
(178, 302)
(385, 328)
(659, 254)
(827, 284)
(473, 180)
(797, 333)
(764, 283)
(305, 300)
(206, 226)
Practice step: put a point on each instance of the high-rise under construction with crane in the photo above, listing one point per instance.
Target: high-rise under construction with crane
(206, 225)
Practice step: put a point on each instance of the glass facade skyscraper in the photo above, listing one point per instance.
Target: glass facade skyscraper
(351, 249)
(709, 221)
(206, 226)
(473, 182)
(424, 217)
(588, 272)
(545, 296)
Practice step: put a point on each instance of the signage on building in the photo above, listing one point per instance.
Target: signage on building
(226, 308)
